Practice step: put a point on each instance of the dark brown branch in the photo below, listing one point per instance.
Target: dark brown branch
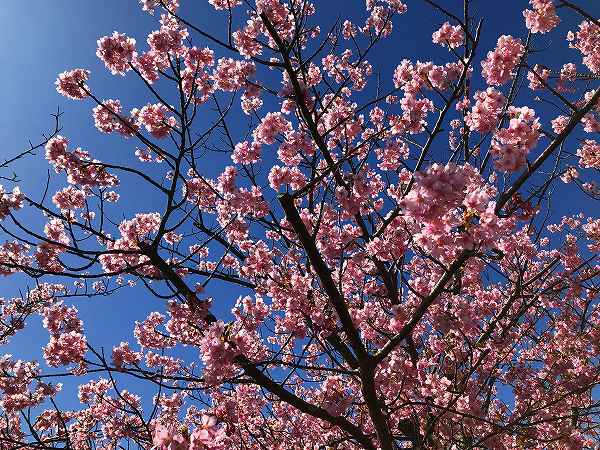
(323, 272)
(423, 306)
(302, 405)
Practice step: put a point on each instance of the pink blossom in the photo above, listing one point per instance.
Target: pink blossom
(111, 196)
(485, 114)
(379, 21)
(251, 313)
(147, 65)
(122, 354)
(231, 75)
(415, 112)
(169, 438)
(150, 5)
(198, 58)
(413, 77)
(294, 147)
(542, 18)
(589, 154)
(64, 349)
(559, 123)
(217, 353)
(10, 201)
(107, 117)
(278, 13)
(226, 181)
(59, 319)
(167, 40)
(538, 77)
(448, 35)
(116, 51)
(78, 165)
(55, 231)
(147, 335)
(246, 153)
(343, 66)
(592, 231)
(246, 39)
(392, 154)
(13, 256)
(279, 176)
(419, 254)
(569, 175)
(224, 4)
(511, 145)
(568, 72)
(587, 41)
(499, 65)
(155, 119)
(69, 198)
(172, 238)
(168, 365)
(72, 85)
(270, 126)
(348, 30)
(207, 435)
(445, 183)
(251, 100)
(133, 231)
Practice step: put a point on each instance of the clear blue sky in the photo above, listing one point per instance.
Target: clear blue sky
(41, 38)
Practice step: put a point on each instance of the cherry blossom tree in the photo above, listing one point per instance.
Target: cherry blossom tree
(404, 280)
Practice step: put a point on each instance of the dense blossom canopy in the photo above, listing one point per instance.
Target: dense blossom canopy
(386, 265)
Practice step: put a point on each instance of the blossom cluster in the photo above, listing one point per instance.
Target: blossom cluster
(67, 343)
(499, 65)
(586, 40)
(448, 35)
(511, 145)
(542, 18)
(77, 164)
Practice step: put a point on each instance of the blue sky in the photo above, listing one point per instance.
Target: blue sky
(41, 38)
